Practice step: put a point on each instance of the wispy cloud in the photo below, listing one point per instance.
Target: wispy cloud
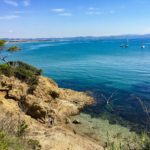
(8, 17)
(22, 12)
(97, 11)
(93, 8)
(17, 3)
(61, 12)
(26, 3)
(94, 13)
(11, 2)
(65, 14)
(58, 10)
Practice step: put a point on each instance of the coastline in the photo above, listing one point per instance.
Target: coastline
(31, 109)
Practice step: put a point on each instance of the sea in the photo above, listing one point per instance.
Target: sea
(118, 78)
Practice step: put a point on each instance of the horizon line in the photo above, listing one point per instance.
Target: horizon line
(78, 36)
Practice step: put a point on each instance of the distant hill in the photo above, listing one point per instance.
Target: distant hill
(128, 36)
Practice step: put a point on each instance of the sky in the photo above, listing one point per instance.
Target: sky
(69, 18)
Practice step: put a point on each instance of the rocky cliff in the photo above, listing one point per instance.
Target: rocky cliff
(45, 109)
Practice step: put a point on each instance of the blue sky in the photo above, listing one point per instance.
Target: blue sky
(63, 18)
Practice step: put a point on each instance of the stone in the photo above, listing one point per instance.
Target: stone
(76, 121)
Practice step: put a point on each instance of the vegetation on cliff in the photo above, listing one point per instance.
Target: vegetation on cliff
(22, 71)
(13, 135)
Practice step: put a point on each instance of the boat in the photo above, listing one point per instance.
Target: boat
(125, 45)
(142, 46)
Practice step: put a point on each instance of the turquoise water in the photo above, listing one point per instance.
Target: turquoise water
(100, 66)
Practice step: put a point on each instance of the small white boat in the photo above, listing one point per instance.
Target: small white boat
(142, 46)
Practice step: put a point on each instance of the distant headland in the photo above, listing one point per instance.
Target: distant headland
(126, 36)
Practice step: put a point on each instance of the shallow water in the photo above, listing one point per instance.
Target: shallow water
(100, 66)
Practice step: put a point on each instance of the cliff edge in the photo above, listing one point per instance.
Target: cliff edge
(45, 108)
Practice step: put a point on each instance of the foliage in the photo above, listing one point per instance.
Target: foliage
(3, 141)
(145, 142)
(22, 128)
(2, 42)
(6, 70)
(23, 72)
(12, 135)
(34, 144)
(132, 142)
(13, 49)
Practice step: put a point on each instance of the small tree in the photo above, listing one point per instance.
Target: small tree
(10, 50)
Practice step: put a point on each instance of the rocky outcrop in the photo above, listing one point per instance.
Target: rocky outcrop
(47, 100)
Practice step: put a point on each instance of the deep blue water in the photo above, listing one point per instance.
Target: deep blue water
(100, 66)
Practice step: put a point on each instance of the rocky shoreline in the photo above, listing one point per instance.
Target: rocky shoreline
(46, 111)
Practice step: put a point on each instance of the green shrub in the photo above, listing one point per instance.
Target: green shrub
(26, 66)
(2, 42)
(145, 141)
(13, 49)
(6, 70)
(3, 141)
(34, 144)
(22, 128)
(23, 72)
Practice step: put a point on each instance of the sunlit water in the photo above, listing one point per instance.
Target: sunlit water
(100, 66)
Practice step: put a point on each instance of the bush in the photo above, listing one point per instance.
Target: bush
(23, 72)
(6, 70)
(26, 66)
(145, 141)
(13, 137)
(2, 42)
(13, 49)
(3, 141)
(34, 144)
(22, 128)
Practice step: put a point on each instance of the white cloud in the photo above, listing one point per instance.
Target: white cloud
(61, 12)
(22, 12)
(11, 2)
(58, 10)
(65, 14)
(94, 13)
(93, 8)
(26, 3)
(97, 11)
(8, 17)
